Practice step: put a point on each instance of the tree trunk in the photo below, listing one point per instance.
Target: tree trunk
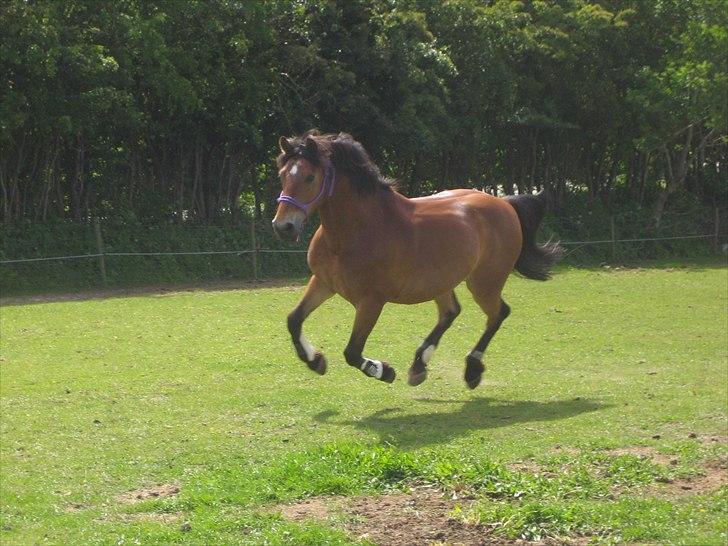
(675, 174)
(77, 187)
(180, 184)
(198, 204)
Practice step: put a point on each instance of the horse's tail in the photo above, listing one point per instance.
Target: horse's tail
(535, 261)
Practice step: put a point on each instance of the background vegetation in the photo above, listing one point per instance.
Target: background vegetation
(166, 113)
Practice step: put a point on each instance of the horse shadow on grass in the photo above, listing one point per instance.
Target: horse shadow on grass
(439, 427)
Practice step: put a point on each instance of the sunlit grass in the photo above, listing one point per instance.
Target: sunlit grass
(202, 389)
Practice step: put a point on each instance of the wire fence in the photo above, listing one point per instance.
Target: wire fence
(171, 254)
(190, 253)
(284, 251)
(242, 252)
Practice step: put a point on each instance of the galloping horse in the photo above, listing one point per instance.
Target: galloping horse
(375, 246)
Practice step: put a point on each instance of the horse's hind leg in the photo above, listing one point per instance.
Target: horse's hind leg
(448, 309)
(489, 299)
(316, 293)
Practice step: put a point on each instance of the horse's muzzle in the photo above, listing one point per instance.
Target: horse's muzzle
(287, 230)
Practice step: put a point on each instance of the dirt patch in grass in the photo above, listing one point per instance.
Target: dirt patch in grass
(707, 439)
(315, 508)
(714, 476)
(156, 517)
(419, 517)
(644, 453)
(147, 493)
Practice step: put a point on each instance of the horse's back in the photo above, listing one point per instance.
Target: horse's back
(494, 219)
(494, 216)
(444, 195)
(455, 233)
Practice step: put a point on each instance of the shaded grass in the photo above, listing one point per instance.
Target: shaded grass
(202, 389)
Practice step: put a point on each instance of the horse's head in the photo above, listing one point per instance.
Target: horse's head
(305, 182)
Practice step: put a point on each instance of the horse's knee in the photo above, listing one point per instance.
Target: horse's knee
(456, 309)
(453, 313)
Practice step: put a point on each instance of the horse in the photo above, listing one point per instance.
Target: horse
(376, 246)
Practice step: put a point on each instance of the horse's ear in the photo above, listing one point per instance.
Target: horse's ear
(311, 147)
(285, 145)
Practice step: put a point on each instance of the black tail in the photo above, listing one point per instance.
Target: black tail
(535, 261)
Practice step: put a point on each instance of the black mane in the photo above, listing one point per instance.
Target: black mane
(346, 155)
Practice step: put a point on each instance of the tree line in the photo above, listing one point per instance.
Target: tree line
(169, 111)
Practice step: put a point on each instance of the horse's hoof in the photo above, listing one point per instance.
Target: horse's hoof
(388, 374)
(415, 378)
(318, 364)
(473, 382)
(473, 372)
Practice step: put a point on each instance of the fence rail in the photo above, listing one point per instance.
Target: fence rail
(295, 251)
(262, 259)
(255, 251)
(605, 241)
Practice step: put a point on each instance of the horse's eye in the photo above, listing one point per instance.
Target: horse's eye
(308, 179)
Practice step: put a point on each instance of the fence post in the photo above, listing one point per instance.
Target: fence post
(100, 250)
(614, 239)
(254, 244)
(717, 229)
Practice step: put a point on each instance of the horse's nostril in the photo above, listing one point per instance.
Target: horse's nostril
(284, 228)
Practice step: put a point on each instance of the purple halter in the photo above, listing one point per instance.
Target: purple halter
(328, 182)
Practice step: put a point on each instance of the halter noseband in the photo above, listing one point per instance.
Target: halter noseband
(328, 182)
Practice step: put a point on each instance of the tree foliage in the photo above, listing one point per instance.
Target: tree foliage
(169, 111)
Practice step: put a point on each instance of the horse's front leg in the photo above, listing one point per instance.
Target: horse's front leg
(448, 309)
(316, 293)
(367, 313)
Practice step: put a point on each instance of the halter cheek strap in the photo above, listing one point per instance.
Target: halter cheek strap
(327, 184)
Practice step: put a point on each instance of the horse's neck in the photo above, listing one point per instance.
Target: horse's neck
(347, 216)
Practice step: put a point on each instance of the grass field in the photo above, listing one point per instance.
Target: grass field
(186, 418)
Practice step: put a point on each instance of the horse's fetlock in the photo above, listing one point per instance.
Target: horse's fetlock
(476, 356)
(373, 368)
(352, 357)
(294, 324)
(308, 349)
(424, 353)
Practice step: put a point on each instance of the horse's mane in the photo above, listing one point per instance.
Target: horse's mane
(345, 154)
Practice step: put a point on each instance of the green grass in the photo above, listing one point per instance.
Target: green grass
(203, 389)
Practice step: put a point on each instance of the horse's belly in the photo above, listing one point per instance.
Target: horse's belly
(441, 261)
(347, 276)
(426, 283)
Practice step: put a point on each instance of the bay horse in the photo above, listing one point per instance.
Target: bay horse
(375, 246)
